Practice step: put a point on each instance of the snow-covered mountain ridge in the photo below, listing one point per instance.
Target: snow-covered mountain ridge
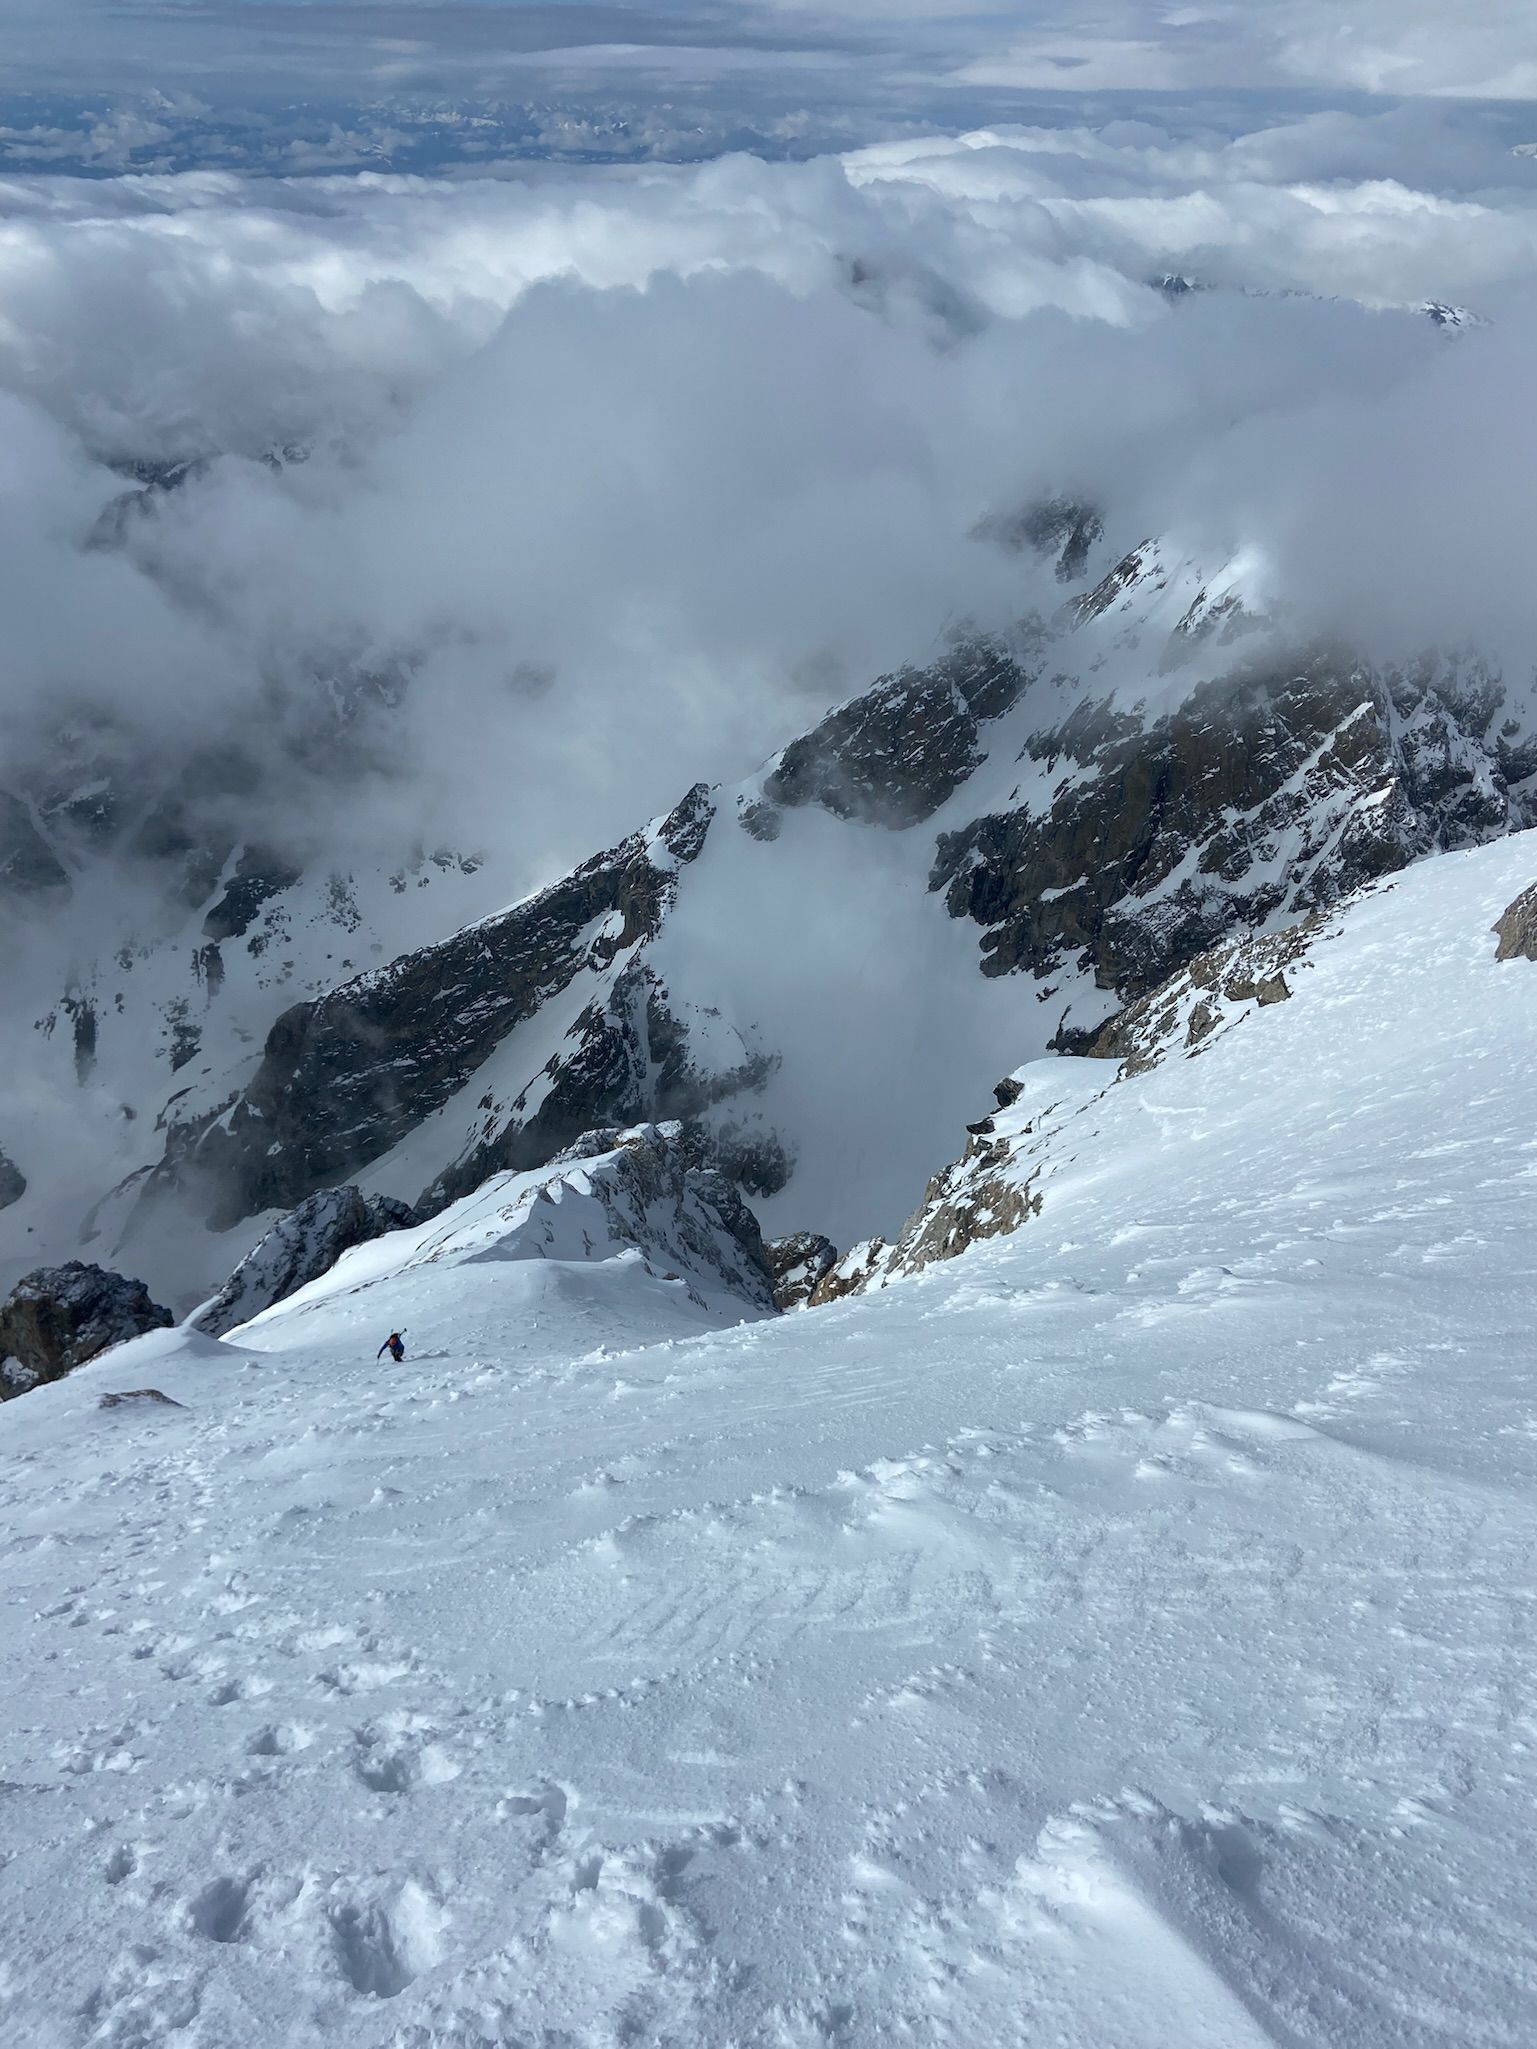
(1045, 1645)
(643, 1196)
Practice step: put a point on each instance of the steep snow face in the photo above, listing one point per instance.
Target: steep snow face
(1118, 1635)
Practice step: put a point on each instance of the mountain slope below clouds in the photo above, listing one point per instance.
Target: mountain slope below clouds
(1081, 812)
(1118, 1634)
(124, 1007)
(1076, 812)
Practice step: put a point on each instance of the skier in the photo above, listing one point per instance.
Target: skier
(393, 1345)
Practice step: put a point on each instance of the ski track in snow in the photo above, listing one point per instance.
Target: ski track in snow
(1121, 1637)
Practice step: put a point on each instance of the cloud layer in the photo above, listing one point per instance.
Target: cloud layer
(558, 490)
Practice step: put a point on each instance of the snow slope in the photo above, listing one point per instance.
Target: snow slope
(1118, 1637)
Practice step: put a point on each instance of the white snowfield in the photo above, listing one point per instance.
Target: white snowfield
(1122, 1637)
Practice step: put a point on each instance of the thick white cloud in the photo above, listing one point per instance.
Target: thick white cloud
(628, 473)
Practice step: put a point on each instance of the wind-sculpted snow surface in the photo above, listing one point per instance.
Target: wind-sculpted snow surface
(1118, 1636)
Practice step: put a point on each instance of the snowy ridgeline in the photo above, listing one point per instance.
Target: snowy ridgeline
(647, 1194)
(1119, 1635)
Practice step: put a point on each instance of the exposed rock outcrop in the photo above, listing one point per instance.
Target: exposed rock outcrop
(854, 1272)
(797, 1265)
(299, 1248)
(1281, 788)
(893, 756)
(13, 1183)
(650, 1191)
(1208, 997)
(58, 1317)
(964, 1203)
(660, 1191)
(999, 1182)
(259, 875)
(1517, 928)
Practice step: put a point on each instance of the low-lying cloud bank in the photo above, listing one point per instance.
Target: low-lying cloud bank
(547, 493)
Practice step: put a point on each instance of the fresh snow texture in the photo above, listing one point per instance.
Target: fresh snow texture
(1118, 1638)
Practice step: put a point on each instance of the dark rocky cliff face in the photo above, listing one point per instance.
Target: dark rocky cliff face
(629, 1062)
(1276, 790)
(60, 1317)
(28, 865)
(345, 1078)
(893, 756)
